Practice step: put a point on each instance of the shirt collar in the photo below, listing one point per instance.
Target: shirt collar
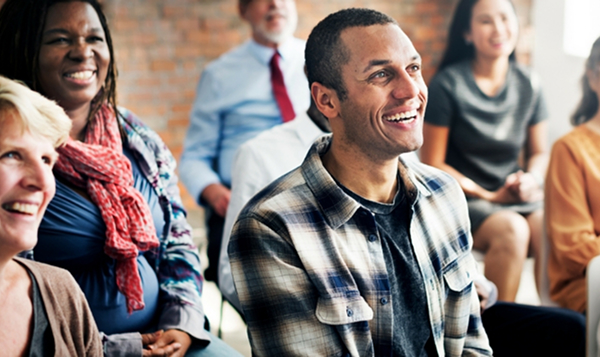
(336, 205)
(264, 54)
(305, 128)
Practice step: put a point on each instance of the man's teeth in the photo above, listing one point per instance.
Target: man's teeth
(405, 116)
(81, 75)
(26, 208)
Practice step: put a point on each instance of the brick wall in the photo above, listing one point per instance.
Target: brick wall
(163, 45)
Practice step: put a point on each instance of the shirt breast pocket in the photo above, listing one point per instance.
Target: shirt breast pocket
(341, 311)
(458, 276)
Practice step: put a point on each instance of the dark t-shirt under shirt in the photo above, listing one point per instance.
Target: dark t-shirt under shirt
(412, 330)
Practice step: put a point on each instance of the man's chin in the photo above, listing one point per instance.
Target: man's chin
(278, 37)
(279, 34)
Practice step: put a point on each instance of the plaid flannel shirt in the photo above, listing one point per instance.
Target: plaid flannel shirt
(311, 277)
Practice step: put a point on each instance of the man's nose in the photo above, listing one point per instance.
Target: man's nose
(405, 86)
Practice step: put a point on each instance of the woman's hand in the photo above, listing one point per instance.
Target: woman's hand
(525, 186)
(171, 343)
(504, 194)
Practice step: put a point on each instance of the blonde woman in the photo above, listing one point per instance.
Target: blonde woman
(42, 310)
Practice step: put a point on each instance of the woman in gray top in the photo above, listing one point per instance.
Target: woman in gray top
(485, 127)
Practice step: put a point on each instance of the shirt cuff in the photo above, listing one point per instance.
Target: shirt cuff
(187, 319)
(122, 344)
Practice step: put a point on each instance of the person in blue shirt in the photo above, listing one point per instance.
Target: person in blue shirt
(235, 102)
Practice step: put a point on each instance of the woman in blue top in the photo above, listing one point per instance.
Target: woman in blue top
(484, 111)
(116, 222)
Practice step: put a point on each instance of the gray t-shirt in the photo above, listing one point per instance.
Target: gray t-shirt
(486, 133)
(412, 335)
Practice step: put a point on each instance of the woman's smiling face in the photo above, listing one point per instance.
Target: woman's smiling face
(494, 28)
(74, 56)
(26, 183)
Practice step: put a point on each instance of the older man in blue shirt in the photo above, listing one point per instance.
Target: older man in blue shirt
(235, 101)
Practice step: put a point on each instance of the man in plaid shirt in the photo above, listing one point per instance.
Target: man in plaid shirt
(357, 252)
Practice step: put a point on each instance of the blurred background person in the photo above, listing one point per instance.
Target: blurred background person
(116, 222)
(573, 195)
(251, 88)
(42, 310)
(485, 110)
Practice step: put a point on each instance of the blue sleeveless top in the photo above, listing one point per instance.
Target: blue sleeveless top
(72, 236)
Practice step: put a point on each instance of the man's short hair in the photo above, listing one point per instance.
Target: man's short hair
(35, 113)
(325, 54)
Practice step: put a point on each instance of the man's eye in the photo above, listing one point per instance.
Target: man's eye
(414, 68)
(380, 74)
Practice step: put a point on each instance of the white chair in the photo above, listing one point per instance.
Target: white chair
(593, 306)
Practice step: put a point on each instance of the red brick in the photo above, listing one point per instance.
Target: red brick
(163, 65)
(162, 46)
(181, 108)
(199, 37)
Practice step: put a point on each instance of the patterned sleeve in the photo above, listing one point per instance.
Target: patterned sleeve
(178, 264)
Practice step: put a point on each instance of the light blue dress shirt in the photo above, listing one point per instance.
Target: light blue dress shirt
(234, 103)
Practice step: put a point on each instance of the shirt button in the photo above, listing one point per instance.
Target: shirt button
(383, 300)
(349, 312)
(372, 238)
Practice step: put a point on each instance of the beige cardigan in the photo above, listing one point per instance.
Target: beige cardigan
(573, 214)
(71, 321)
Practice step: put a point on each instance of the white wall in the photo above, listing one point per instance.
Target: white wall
(560, 73)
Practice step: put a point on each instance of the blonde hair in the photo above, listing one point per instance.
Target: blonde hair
(36, 114)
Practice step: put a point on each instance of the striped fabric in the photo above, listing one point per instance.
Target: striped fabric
(311, 277)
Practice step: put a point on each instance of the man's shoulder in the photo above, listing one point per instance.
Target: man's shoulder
(281, 196)
(268, 139)
(234, 56)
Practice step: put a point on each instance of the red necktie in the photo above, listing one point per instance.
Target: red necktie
(281, 95)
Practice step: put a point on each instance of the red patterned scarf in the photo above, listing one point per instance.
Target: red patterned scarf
(99, 166)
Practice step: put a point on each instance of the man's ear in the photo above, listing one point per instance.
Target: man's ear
(325, 99)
